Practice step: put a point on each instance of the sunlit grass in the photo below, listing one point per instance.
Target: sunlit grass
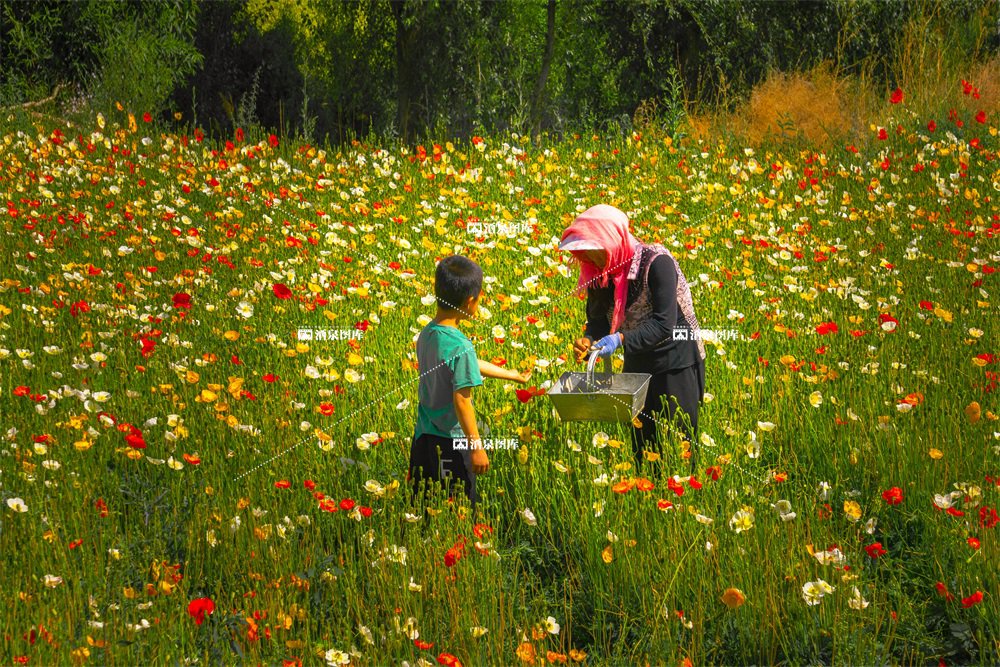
(167, 438)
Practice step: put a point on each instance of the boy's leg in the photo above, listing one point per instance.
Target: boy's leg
(456, 468)
(424, 465)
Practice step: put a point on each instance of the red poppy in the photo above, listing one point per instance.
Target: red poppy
(973, 542)
(525, 395)
(448, 660)
(893, 496)
(896, 97)
(422, 645)
(988, 517)
(826, 328)
(282, 484)
(135, 439)
(981, 117)
(309, 484)
(182, 300)
(347, 504)
(875, 550)
(972, 600)
(147, 117)
(931, 126)
(198, 607)
(366, 511)
(269, 377)
(453, 554)
(926, 305)
(882, 134)
(192, 459)
(273, 140)
(79, 307)
(943, 591)
(281, 291)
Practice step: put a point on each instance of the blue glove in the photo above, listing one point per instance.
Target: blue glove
(606, 346)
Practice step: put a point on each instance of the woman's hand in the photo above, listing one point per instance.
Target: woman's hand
(581, 346)
(607, 345)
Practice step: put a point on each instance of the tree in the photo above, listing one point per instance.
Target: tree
(543, 74)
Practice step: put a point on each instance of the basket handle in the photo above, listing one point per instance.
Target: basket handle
(591, 385)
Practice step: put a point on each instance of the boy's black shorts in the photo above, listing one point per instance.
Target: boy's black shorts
(451, 468)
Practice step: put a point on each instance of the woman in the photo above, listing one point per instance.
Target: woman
(646, 309)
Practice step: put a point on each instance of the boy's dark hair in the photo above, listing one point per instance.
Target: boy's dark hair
(457, 278)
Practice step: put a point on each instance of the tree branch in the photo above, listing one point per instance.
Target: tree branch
(36, 103)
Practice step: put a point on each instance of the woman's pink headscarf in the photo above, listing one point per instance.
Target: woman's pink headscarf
(606, 227)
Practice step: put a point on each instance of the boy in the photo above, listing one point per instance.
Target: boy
(449, 370)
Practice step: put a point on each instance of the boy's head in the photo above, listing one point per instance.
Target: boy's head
(458, 282)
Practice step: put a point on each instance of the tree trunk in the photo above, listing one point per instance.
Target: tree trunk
(406, 77)
(543, 75)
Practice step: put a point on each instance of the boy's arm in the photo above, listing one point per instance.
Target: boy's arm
(467, 420)
(486, 369)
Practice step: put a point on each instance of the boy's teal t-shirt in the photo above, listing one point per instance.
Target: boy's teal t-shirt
(447, 362)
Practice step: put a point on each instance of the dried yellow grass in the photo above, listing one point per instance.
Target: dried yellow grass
(817, 107)
(826, 106)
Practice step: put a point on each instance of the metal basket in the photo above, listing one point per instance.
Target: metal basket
(603, 397)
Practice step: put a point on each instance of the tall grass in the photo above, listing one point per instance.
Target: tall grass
(222, 503)
(835, 102)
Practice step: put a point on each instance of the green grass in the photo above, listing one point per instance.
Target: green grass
(632, 583)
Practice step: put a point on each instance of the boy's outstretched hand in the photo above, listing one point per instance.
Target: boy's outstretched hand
(480, 461)
(522, 378)
(581, 346)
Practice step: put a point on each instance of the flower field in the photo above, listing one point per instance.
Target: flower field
(208, 384)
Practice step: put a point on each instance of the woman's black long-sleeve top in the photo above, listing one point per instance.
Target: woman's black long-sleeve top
(649, 346)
